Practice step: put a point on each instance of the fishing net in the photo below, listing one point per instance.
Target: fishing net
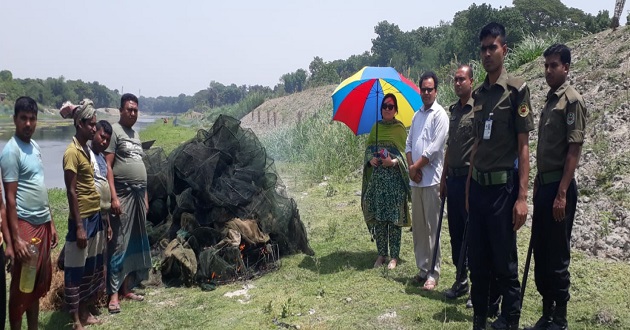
(221, 174)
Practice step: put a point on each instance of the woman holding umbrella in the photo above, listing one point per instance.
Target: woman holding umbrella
(385, 191)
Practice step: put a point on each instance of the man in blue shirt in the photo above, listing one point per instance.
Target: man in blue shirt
(28, 213)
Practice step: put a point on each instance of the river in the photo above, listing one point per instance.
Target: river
(53, 142)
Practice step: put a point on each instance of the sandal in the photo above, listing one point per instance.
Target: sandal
(133, 296)
(430, 284)
(114, 307)
(392, 264)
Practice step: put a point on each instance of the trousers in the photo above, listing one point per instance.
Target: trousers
(492, 249)
(552, 242)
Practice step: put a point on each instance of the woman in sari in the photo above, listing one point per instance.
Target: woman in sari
(385, 191)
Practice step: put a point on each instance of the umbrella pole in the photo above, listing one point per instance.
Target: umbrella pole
(377, 109)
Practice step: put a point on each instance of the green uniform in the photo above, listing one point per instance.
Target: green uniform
(460, 142)
(498, 102)
(460, 137)
(562, 121)
(501, 112)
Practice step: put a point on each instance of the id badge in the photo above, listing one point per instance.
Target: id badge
(487, 130)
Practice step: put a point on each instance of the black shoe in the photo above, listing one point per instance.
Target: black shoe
(469, 303)
(502, 324)
(546, 320)
(560, 318)
(499, 323)
(457, 290)
(542, 324)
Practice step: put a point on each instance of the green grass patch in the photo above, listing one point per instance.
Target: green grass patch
(338, 288)
(167, 136)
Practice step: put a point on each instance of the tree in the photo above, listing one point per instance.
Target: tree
(322, 73)
(386, 42)
(294, 82)
(598, 23)
(6, 76)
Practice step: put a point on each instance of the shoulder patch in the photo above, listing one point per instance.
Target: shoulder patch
(523, 110)
(570, 118)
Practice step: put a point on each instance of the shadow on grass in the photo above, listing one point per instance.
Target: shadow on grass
(452, 314)
(338, 261)
(57, 320)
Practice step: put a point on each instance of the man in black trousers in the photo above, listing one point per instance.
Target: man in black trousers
(498, 181)
(561, 134)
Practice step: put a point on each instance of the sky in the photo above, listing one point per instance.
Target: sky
(157, 47)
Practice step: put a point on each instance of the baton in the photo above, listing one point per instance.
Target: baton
(462, 251)
(527, 263)
(437, 237)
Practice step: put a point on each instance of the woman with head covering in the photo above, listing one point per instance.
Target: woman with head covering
(85, 242)
(385, 190)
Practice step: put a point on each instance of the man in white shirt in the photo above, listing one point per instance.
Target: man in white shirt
(425, 156)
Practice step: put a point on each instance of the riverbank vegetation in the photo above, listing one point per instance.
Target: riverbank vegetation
(320, 161)
(338, 288)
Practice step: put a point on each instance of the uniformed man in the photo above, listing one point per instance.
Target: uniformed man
(456, 166)
(560, 138)
(497, 181)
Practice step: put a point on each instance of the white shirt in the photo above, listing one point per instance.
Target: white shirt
(427, 137)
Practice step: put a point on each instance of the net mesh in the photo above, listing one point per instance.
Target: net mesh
(220, 174)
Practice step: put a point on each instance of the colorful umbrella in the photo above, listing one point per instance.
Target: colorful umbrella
(357, 100)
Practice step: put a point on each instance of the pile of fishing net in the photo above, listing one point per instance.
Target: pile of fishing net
(218, 198)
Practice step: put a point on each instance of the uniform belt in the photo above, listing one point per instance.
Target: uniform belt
(490, 178)
(549, 177)
(459, 171)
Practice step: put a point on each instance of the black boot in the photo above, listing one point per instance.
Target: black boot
(458, 289)
(479, 322)
(501, 323)
(546, 319)
(560, 317)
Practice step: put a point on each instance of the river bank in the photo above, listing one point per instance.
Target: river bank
(53, 136)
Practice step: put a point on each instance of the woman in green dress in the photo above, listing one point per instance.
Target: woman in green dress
(385, 191)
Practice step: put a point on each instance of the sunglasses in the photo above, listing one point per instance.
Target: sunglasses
(427, 90)
(387, 106)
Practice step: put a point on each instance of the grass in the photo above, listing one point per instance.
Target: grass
(238, 110)
(528, 50)
(328, 147)
(338, 288)
(167, 136)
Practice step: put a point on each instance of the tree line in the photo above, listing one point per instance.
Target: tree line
(411, 52)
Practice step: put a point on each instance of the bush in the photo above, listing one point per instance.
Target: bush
(239, 110)
(328, 147)
(528, 50)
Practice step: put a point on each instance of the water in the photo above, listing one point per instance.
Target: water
(53, 142)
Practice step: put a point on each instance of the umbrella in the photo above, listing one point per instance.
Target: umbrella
(357, 100)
